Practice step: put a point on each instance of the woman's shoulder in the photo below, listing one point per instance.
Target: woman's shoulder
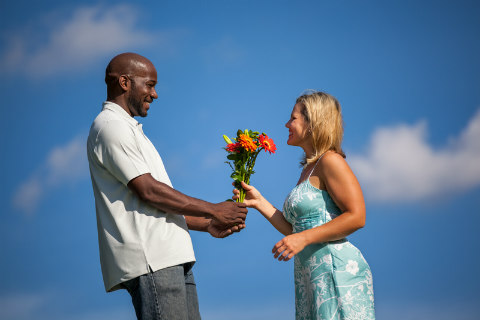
(331, 157)
(331, 161)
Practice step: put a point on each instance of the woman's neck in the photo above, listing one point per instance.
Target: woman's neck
(309, 151)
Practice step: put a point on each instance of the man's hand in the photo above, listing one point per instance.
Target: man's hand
(216, 230)
(229, 214)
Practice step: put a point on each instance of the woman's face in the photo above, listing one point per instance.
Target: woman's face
(298, 133)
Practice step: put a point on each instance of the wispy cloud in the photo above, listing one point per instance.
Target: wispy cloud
(21, 306)
(76, 41)
(63, 165)
(225, 51)
(400, 165)
(43, 305)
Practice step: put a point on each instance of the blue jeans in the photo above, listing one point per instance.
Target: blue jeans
(166, 294)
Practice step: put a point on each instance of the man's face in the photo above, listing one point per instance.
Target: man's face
(142, 91)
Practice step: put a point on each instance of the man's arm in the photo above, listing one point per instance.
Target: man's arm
(226, 214)
(211, 226)
(197, 223)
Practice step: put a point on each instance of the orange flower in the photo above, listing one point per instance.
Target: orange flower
(267, 143)
(247, 143)
(233, 147)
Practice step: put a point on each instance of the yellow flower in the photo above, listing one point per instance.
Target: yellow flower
(247, 143)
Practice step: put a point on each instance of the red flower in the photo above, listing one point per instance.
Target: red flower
(233, 147)
(247, 143)
(267, 143)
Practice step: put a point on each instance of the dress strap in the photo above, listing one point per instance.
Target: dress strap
(316, 165)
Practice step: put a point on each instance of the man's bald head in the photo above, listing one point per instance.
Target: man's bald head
(131, 80)
(129, 64)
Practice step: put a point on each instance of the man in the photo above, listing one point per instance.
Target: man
(143, 223)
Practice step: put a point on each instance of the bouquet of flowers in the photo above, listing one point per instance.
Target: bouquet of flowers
(243, 152)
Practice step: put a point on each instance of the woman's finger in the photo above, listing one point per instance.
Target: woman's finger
(284, 255)
(290, 256)
(277, 245)
(279, 251)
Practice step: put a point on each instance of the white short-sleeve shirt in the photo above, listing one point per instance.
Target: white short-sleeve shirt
(133, 236)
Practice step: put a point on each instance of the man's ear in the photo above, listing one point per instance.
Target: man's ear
(124, 82)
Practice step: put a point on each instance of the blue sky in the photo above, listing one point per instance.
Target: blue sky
(407, 74)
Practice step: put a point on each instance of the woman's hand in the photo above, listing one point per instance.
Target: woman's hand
(289, 246)
(252, 196)
(254, 199)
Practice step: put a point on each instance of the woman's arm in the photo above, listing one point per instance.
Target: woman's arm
(343, 187)
(254, 199)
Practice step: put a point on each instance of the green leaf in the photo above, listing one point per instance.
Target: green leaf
(236, 177)
(232, 156)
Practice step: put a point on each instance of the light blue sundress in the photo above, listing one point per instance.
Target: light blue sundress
(332, 280)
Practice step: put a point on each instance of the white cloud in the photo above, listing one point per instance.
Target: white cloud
(67, 163)
(28, 195)
(64, 164)
(87, 34)
(21, 306)
(43, 305)
(400, 165)
(223, 52)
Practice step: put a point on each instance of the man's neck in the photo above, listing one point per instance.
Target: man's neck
(122, 103)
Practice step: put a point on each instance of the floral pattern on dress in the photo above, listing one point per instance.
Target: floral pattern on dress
(332, 280)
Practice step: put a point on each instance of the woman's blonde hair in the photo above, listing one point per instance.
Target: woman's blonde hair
(322, 112)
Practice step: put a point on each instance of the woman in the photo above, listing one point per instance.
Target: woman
(332, 279)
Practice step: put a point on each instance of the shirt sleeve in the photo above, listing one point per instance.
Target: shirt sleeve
(118, 151)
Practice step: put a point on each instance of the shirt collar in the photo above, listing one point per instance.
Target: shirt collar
(112, 106)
